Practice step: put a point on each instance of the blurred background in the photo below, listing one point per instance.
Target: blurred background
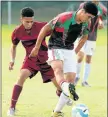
(44, 11)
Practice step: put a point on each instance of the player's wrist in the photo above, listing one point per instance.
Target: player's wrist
(36, 48)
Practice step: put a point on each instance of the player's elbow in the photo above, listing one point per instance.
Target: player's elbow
(46, 29)
(85, 37)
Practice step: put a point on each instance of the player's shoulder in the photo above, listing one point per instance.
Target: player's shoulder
(18, 28)
(65, 16)
(39, 23)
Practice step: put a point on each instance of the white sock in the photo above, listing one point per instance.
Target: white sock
(65, 88)
(86, 72)
(78, 69)
(61, 103)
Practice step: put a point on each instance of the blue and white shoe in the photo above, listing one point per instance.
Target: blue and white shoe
(11, 112)
(85, 84)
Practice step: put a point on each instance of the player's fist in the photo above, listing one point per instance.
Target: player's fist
(100, 24)
(11, 64)
(34, 52)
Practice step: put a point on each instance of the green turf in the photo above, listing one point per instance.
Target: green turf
(38, 99)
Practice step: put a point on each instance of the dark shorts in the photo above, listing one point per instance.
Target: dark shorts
(34, 66)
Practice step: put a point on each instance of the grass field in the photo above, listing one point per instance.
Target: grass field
(38, 99)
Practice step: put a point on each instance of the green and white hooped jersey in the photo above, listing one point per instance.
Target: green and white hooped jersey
(65, 31)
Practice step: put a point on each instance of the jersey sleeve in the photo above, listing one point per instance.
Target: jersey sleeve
(42, 24)
(60, 19)
(14, 38)
(53, 23)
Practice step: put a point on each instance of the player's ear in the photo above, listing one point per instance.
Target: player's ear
(21, 19)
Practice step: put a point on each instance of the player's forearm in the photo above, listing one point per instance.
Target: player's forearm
(13, 53)
(100, 24)
(40, 38)
(81, 43)
(100, 21)
(44, 31)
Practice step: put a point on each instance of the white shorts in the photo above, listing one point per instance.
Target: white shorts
(68, 57)
(89, 47)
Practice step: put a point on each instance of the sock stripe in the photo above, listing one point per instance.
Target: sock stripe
(14, 100)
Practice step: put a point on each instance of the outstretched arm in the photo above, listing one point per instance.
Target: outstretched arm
(12, 56)
(15, 42)
(81, 43)
(44, 31)
(102, 16)
(100, 24)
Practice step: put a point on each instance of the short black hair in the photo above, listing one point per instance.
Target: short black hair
(27, 12)
(91, 8)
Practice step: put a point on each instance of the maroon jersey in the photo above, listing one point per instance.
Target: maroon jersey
(29, 40)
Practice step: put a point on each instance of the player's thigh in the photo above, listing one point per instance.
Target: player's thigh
(30, 66)
(69, 64)
(90, 48)
(55, 58)
(57, 65)
(47, 72)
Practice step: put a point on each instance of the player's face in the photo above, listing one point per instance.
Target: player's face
(27, 22)
(85, 17)
(95, 1)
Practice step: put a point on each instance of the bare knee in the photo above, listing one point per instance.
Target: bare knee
(24, 74)
(70, 77)
(80, 57)
(58, 71)
(57, 67)
(21, 81)
(88, 59)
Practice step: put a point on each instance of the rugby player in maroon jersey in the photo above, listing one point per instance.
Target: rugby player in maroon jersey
(27, 34)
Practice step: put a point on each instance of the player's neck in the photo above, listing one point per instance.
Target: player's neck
(28, 31)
